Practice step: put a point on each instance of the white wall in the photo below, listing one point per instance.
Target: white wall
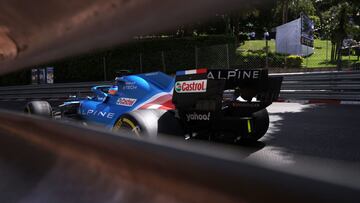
(288, 39)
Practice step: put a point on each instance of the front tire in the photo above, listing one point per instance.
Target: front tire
(127, 123)
(40, 108)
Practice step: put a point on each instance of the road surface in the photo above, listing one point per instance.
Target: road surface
(328, 132)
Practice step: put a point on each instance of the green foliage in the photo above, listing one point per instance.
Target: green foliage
(316, 20)
(276, 60)
(301, 6)
(178, 53)
(319, 59)
(295, 8)
(341, 18)
(242, 37)
(163, 44)
(294, 61)
(257, 59)
(317, 25)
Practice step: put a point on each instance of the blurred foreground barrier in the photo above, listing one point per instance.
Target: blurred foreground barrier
(48, 91)
(49, 161)
(334, 85)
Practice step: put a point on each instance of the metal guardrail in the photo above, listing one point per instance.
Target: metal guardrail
(334, 85)
(48, 91)
(49, 161)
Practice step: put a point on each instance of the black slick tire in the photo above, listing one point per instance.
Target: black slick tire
(40, 108)
(261, 124)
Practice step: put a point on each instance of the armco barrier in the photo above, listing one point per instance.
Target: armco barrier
(333, 85)
(48, 91)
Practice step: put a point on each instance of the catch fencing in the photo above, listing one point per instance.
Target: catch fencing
(262, 53)
(251, 54)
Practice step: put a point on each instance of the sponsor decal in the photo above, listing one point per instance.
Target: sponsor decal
(192, 72)
(191, 86)
(307, 31)
(307, 42)
(125, 101)
(129, 86)
(103, 114)
(198, 117)
(233, 74)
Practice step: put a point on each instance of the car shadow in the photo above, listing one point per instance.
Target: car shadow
(323, 131)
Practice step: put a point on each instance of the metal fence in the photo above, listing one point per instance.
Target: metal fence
(262, 53)
(251, 54)
(169, 61)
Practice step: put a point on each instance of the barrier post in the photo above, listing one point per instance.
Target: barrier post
(140, 62)
(163, 61)
(227, 57)
(196, 57)
(267, 53)
(104, 65)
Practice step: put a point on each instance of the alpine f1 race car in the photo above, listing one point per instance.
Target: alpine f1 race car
(202, 103)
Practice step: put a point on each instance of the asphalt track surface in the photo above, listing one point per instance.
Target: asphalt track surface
(298, 132)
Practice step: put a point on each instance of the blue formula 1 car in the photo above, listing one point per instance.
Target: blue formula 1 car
(202, 103)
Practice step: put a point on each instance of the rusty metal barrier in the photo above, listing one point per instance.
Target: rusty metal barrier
(49, 161)
(49, 30)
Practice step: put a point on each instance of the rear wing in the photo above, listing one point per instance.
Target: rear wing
(212, 90)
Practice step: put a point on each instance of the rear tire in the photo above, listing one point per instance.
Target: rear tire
(261, 124)
(127, 123)
(139, 122)
(40, 108)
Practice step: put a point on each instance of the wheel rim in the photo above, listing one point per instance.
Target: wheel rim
(127, 124)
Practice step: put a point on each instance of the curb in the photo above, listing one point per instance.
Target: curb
(319, 101)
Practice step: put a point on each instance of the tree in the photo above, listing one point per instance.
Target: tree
(338, 25)
(291, 9)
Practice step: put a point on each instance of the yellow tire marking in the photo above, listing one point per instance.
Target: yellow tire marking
(118, 124)
(129, 122)
(249, 126)
(134, 128)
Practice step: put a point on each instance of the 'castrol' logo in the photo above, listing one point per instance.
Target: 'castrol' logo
(125, 101)
(191, 86)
